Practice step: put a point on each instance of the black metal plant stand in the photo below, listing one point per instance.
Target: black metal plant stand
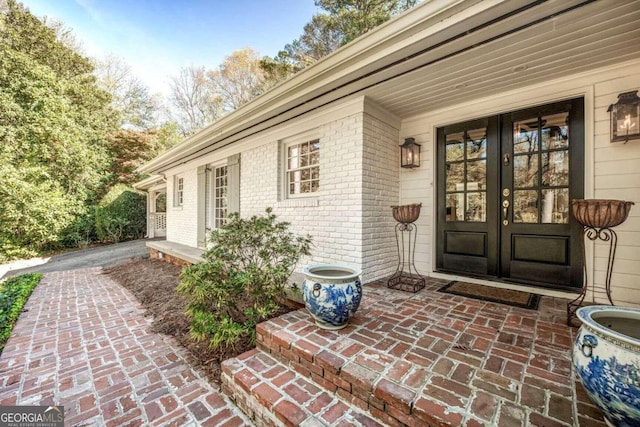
(597, 218)
(406, 277)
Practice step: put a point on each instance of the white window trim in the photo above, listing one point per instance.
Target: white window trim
(211, 187)
(178, 194)
(283, 175)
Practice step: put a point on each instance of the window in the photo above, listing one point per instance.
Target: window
(179, 192)
(216, 197)
(220, 196)
(302, 169)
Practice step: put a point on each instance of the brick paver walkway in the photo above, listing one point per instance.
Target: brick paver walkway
(84, 343)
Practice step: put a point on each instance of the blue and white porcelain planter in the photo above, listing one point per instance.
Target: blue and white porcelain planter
(332, 293)
(606, 355)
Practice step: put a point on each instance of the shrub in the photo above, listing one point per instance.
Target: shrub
(14, 294)
(242, 278)
(82, 230)
(121, 215)
(33, 211)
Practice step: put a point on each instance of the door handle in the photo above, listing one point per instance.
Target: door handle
(505, 212)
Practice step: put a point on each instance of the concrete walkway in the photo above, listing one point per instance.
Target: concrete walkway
(100, 256)
(84, 343)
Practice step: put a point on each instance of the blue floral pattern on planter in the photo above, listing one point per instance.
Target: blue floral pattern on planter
(608, 362)
(332, 303)
(615, 387)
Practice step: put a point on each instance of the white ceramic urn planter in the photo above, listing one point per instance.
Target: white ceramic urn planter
(606, 355)
(332, 293)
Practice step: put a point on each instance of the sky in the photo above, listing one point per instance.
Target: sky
(158, 37)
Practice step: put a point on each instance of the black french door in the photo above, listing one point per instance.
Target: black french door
(504, 189)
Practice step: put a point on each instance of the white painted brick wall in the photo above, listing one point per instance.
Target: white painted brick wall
(381, 179)
(182, 220)
(333, 217)
(350, 218)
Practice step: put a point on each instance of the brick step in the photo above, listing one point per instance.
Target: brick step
(271, 394)
(434, 359)
(365, 376)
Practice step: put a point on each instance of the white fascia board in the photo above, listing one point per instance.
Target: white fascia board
(148, 183)
(372, 50)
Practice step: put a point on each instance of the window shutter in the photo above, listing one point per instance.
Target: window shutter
(233, 183)
(202, 238)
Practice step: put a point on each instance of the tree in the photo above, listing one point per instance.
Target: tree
(195, 103)
(23, 32)
(319, 38)
(238, 79)
(34, 210)
(342, 22)
(53, 125)
(352, 18)
(130, 97)
(200, 97)
(129, 149)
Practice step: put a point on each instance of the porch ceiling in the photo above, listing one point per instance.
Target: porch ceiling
(595, 35)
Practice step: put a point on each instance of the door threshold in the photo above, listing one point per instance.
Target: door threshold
(507, 285)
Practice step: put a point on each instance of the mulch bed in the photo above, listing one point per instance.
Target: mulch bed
(154, 283)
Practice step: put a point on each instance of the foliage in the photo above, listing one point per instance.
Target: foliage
(352, 18)
(341, 22)
(137, 108)
(81, 232)
(129, 149)
(238, 79)
(61, 145)
(121, 215)
(200, 97)
(195, 104)
(243, 276)
(319, 38)
(53, 126)
(14, 294)
(23, 32)
(34, 210)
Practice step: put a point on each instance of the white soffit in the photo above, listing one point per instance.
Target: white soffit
(602, 33)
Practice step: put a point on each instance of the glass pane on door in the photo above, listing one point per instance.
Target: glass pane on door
(541, 170)
(525, 171)
(466, 175)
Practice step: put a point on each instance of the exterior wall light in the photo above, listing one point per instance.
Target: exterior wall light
(625, 117)
(410, 154)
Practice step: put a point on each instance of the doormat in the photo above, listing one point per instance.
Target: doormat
(491, 294)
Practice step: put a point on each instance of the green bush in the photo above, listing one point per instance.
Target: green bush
(121, 215)
(14, 294)
(33, 211)
(82, 230)
(242, 278)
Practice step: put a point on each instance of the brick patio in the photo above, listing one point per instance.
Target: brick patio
(415, 359)
(84, 343)
(425, 359)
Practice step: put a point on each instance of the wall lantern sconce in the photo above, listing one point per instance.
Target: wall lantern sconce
(410, 154)
(625, 117)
